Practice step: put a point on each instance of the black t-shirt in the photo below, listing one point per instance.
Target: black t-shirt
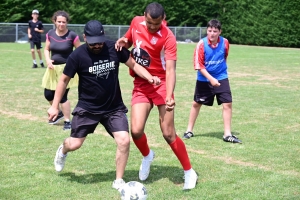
(99, 89)
(61, 46)
(36, 36)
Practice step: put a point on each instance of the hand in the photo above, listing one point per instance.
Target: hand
(170, 104)
(29, 36)
(155, 80)
(50, 64)
(52, 113)
(215, 83)
(120, 43)
(36, 29)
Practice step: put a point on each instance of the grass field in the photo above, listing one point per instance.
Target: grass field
(265, 83)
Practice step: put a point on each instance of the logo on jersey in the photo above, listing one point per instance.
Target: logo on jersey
(102, 68)
(154, 40)
(140, 55)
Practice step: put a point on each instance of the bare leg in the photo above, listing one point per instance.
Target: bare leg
(33, 54)
(40, 54)
(193, 115)
(66, 109)
(227, 113)
(123, 143)
(72, 144)
(166, 121)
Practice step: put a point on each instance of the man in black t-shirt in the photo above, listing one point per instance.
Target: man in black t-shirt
(35, 28)
(99, 95)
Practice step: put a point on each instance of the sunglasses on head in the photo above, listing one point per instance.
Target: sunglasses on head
(94, 44)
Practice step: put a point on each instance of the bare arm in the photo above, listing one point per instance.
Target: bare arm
(77, 43)
(47, 55)
(59, 92)
(29, 33)
(214, 82)
(142, 72)
(38, 30)
(170, 83)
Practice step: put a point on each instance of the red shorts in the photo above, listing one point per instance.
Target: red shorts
(144, 92)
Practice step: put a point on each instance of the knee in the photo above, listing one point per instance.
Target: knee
(49, 94)
(196, 105)
(123, 142)
(32, 50)
(227, 106)
(72, 145)
(136, 133)
(169, 134)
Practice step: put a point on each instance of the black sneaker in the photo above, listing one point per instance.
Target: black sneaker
(67, 126)
(42, 65)
(34, 66)
(188, 135)
(232, 138)
(58, 118)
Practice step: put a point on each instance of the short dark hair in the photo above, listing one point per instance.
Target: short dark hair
(155, 10)
(214, 23)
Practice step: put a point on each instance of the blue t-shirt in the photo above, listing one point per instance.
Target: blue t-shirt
(215, 62)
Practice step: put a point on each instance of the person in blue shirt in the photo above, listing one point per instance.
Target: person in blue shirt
(210, 57)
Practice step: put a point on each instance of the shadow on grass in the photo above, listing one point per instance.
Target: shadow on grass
(174, 174)
(218, 135)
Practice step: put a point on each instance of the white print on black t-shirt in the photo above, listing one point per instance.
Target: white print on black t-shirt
(140, 55)
(102, 68)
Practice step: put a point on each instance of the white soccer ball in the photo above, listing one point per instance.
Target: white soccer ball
(133, 190)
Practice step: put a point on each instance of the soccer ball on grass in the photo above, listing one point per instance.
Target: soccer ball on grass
(133, 190)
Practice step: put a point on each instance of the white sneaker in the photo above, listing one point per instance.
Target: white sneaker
(59, 161)
(145, 166)
(118, 184)
(190, 179)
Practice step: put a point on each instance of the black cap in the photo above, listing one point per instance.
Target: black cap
(94, 32)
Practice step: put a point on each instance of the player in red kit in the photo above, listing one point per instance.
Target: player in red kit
(154, 47)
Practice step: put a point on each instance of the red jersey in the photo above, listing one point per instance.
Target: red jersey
(151, 50)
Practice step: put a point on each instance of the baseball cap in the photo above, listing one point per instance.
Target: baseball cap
(35, 11)
(94, 32)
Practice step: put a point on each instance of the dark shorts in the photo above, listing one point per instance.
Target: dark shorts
(49, 95)
(84, 122)
(205, 93)
(38, 45)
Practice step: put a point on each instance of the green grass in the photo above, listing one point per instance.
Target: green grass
(265, 86)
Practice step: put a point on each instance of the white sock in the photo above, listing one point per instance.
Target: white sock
(61, 153)
(41, 61)
(149, 157)
(188, 171)
(34, 62)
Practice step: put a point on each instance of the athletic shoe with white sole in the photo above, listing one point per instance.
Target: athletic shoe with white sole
(232, 138)
(118, 184)
(188, 135)
(67, 125)
(145, 166)
(58, 118)
(190, 179)
(59, 161)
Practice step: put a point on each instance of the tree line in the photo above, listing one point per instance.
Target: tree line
(250, 22)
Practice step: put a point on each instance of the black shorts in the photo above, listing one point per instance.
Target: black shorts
(38, 45)
(205, 93)
(84, 122)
